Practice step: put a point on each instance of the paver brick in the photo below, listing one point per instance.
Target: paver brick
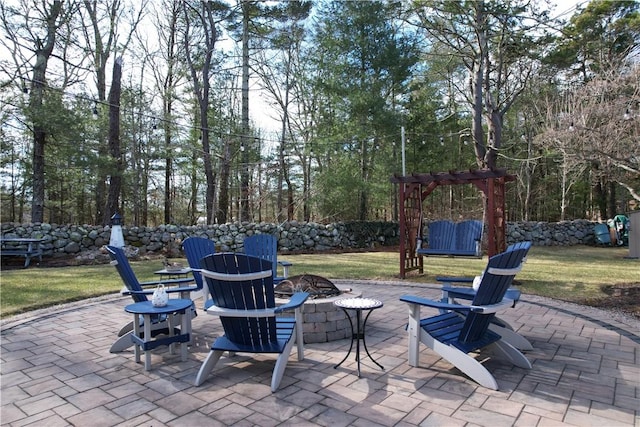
(585, 370)
(40, 403)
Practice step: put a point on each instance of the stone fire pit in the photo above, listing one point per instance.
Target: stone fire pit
(323, 321)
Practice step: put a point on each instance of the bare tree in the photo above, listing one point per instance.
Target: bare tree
(117, 164)
(167, 76)
(37, 33)
(596, 126)
(276, 65)
(102, 23)
(199, 38)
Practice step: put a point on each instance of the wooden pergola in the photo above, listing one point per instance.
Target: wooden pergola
(415, 188)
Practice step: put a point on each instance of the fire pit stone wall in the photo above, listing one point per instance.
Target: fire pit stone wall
(323, 321)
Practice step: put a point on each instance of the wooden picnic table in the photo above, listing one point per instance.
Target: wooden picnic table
(18, 246)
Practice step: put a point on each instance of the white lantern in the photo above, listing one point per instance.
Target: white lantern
(116, 239)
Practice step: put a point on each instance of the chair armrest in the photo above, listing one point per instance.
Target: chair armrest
(411, 299)
(484, 309)
(167, 282)
(468, 293)
(181, 289)
(296, 300)
(454, 279)
(125, 291)
(150, 291)
(493, 308)
(285, 263)
(459, 292)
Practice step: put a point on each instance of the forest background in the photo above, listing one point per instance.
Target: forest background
(156, 109)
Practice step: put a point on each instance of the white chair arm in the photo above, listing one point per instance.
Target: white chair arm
(493, 308)
(232, 312)
(235, 277)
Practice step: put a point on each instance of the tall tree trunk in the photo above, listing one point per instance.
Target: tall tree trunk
(101, 53)
(306, 190)
(168, 171)
(168, 93)
(201, 88)
(43, 52)
(208, 165)
(494, 134)
(477, 86)
(244, 175)
(116, 162)
(612, 206)
(364, 196)
(280, 216)
(223, 201)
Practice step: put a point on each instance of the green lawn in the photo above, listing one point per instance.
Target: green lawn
(567, 273)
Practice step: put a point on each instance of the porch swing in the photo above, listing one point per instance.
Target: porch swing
(444, 236)
(449, 238)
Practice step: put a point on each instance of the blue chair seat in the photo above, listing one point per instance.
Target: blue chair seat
(446, 329)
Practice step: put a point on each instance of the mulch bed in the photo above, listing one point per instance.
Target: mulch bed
(624, 297)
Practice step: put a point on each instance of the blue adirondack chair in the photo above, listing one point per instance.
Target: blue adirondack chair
(242, 293)
(138, 292)
(454, 336)
(196, 248)
(266, 246)
(452, 293)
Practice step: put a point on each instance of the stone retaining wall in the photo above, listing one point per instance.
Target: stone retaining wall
(64, 240)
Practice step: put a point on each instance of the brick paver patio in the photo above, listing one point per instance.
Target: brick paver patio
(56, 369)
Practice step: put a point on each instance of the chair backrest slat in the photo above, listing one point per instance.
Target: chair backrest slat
(121, 262)
(442, 235)
(195, 248)
(263, 246)
(467, 234)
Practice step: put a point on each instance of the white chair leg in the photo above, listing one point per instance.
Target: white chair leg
(147, 337)
(207, 366)
(122, 343)
(501, 322)
(513, 338)
(298, 334)
(508, 352)
(281, 364)
(467, 364)
(414, 332)
(126, 329)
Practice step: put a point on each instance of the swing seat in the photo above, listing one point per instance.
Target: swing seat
(447, 238)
